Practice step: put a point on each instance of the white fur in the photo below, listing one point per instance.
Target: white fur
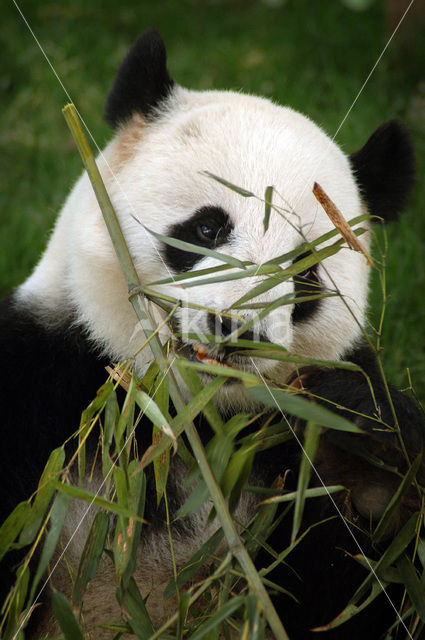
(248, 141)
(153, 171)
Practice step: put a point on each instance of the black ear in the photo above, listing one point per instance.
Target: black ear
(142, 81)
(385, 169)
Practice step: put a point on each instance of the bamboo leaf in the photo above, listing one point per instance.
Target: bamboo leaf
(255, 630)
(198, 249)
(285, 257)
(283, 356)
(313, 492)
(87, 416)
(265, 285)
(161, 466)
(126, 417)
(156, 416)
(138, 618)
(12, 526)
(284, 300)
(268, 269)
(387, 574)
(301, 408)
(263, 521)
(198, 273)
(390, 555)
(242, 192)
(237, 472)
(255, 271)
(285, 553)
(65, 617)
(218, 450)
(45, 491)
(421, 551)
(195, 563)
(270, 350)
(183, 608)
(311, 441)
(230, 607)
(352, 609)
(128, 530)
(197, 498)
(16, 614)
(412, 583)
(392, 506)
(308, 246)
(283, 275)
(268, 195)
(91, 555)
(121, 486)
(190, 411)
(218, 370)
(57, 518)
(107, 505)
(209, 409)
(111, 416)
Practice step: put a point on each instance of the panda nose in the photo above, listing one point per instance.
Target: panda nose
(222, 326)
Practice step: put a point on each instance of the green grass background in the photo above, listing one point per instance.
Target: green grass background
(312, 55)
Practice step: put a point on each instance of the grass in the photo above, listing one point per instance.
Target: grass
(312, 56)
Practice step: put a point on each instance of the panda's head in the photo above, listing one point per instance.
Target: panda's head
(167, 138)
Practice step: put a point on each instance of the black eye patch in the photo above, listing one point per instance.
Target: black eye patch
(307, 283)
(208, 227)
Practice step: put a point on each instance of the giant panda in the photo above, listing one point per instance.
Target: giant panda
(72, 317)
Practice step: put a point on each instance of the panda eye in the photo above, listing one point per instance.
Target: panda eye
(208, 227)
(207, 232)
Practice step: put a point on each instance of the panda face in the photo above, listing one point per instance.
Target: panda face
(250, 143)
(155, 170)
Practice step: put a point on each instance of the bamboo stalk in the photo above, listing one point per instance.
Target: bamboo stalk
(139, 304)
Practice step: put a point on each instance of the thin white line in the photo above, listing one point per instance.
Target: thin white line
(93, 140)
(125, 195)
(308, 182)
(330, 496)
(161, 258)
(373, 69)
(90, 505)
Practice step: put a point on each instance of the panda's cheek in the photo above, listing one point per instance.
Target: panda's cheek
(279, 328)
(193, 321)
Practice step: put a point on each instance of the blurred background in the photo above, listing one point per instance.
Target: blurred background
(313, 56)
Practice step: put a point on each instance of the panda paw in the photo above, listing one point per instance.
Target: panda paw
(370, 465)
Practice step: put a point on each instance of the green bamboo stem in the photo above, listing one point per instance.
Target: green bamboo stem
(139, 304)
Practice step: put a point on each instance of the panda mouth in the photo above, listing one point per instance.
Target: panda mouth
(201, 354)
(224, 356)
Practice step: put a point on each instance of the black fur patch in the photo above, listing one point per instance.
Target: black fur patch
(223, 326)
(190, 231)
(47, 378)
(384, 169)
(50, 376)
(306, 284)
(323, 582)
(142, 81)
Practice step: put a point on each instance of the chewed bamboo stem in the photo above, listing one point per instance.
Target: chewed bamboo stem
(140, 307)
